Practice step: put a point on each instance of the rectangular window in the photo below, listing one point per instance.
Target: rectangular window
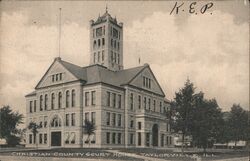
(139, 125)
(30, 138)
(45, 138)
(34, 105)
(87, 116)
(160, 107)
(147, 139)
(67, 120)
(154, 105)
(131, 101)
(162, 139)
(102, 55)
(139, 102)
(131, 138)
(108, 137)
(73, 119)
(119, 120)
(93, 98)
(114, 100)
(131, 122)
(86, 98)
(149, 103)
(40, 138)
(119, 101)
(113, 119)
(113, 138)
(139, 138)
(31, 106)
(170, 140)
(145, 103)
(45, 121)
(93, 117)
(108, 118)
(119, 138)
(108, 99)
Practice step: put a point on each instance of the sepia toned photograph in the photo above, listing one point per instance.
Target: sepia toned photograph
(124, 80)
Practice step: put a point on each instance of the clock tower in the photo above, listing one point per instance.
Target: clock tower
(106, 42)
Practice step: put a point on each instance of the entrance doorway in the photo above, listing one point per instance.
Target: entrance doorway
(56, 138)
(155, 135)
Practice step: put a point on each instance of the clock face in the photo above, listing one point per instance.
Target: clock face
(115, 33)
(99, 31)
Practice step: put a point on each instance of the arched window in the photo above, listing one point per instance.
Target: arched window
(59, 100)
(45, 102)
(73, 97)
(41, 102)
(67, 98)
(55, 122)
(52, 101)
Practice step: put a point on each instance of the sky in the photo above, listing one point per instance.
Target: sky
(211, 49)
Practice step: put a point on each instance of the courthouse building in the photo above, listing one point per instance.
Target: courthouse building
(127, 106)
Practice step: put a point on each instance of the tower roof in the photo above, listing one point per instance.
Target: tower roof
(105, 17)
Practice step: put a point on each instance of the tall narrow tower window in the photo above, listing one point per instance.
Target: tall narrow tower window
(94, 57)
(99, 56)
(99, 42)
(103, 41)
(114, 44)
(94, 44)
(102, 55)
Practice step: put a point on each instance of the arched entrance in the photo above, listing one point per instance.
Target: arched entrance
(155, 135)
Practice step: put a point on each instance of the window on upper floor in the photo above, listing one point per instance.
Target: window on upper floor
(87, 116)
(119, 122)
(154, 105)
(103, 41)
(139, 125)
(73, 98)
(113, 119)
(131, 122)
(102, 55)
(52, 101)
(108, 99)
(59, 100)
(67, 99)
(73, 119)
(31, 102)
(119, 101)
(146, 82)
(93, 117)
(34, 105)
(149, 104)
(41, 102)
(113, 100)
(93, 98)
(86, 98)
(108, 118)
(131, 101)
(139, 102)
(67, 120)
(145, 103)
(45, 102)
(56, 77)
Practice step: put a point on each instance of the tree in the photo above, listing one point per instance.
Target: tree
(34, 129)
(89, 129)
(238, 123)
(207, 122)
(9, 121)
(182, 107)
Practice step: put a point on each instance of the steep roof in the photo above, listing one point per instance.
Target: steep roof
(99, 74)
